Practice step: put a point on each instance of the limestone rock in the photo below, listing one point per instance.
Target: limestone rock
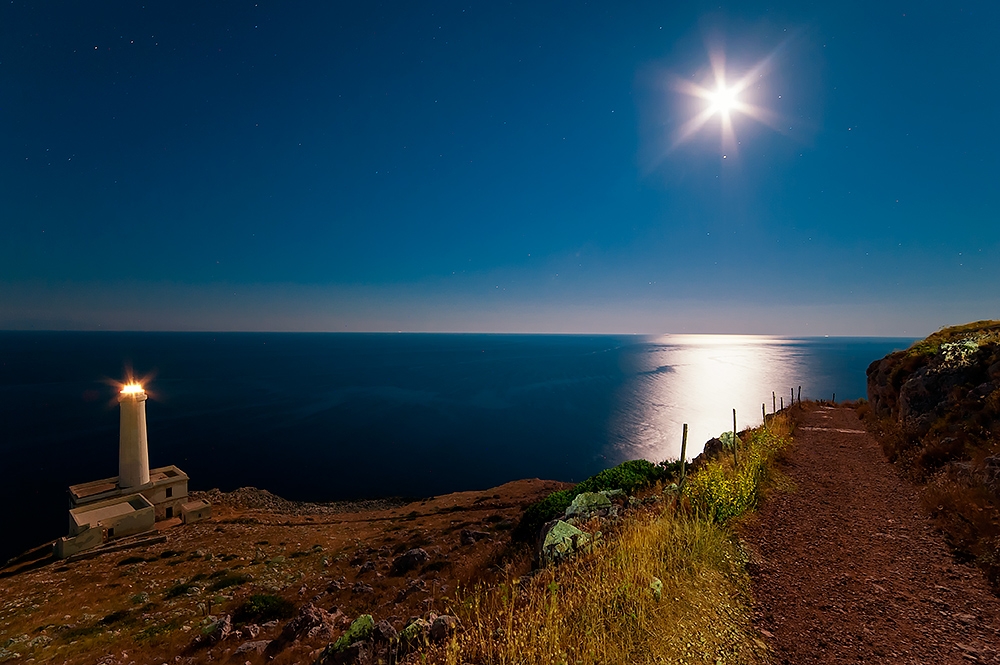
(588, 503)
(559, 541)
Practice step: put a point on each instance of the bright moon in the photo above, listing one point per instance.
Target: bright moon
(723, 100)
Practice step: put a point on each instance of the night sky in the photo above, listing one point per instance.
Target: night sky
(498, 166)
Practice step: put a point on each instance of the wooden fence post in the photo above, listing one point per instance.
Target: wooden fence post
(800, 395)
(774, 404)
(793, 397)
(736, 459)
(684, 446)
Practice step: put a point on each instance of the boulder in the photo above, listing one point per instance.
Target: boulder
(258, 646)
(588, 503)
(443, 626)
(312, 623)
(416, 632)
(384, 633)
(410, 560)
(560, 540)
(360, 629)
(219, 630)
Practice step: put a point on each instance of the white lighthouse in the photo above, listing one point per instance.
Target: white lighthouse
(133, 451)
(132, 503)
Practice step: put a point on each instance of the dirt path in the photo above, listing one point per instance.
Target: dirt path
(851, 570)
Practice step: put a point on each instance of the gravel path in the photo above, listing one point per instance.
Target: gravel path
(850, 570)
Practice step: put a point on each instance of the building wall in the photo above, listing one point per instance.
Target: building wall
(196, 511)
(87, 539)
(129, 524)
(158, 493)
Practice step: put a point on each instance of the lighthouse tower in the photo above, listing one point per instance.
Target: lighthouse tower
(133, 453)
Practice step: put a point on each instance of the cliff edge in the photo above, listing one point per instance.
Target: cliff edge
(936, 409)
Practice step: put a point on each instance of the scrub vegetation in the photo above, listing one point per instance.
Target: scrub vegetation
(668, 584)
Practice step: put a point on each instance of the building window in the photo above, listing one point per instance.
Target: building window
(170, 492)
(111, 532)
(170, 511)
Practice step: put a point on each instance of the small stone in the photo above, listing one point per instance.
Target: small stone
(469, 537)
(657, 587)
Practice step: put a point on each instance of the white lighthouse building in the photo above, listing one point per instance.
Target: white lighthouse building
(134, 500)
(133, 451)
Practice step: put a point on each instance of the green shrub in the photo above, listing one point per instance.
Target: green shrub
(627, 476)
(178, 590)
(226, 581)
(261, 608)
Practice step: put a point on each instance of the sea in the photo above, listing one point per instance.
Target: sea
(325, 417)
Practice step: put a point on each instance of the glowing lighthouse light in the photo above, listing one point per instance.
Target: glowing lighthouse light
(133, 450)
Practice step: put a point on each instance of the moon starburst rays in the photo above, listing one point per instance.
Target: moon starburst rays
(725, 101)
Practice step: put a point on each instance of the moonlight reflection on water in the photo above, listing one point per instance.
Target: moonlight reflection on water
(699, 380)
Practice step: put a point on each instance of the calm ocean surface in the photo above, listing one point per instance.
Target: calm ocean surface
(342, 416)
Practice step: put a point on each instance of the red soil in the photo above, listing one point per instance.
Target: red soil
(851, 570)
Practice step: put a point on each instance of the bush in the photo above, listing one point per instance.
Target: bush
(261, 608)
(721, 491)
(627, 476)
(229, 580)
(178, 590)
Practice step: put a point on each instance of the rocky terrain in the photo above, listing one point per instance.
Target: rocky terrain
(936, 409)
(267, 580)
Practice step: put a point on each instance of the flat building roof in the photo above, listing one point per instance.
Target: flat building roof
(162, 475)
(95, 513)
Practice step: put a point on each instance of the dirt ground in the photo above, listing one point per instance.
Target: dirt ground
(148, 603)
(850, 570)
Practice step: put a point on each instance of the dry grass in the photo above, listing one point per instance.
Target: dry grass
(602, 608)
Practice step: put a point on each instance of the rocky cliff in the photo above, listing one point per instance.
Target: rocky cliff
(943, 393)
(936, 409)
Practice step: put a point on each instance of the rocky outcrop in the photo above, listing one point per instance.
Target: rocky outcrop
(936, 409)
(942, 394)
